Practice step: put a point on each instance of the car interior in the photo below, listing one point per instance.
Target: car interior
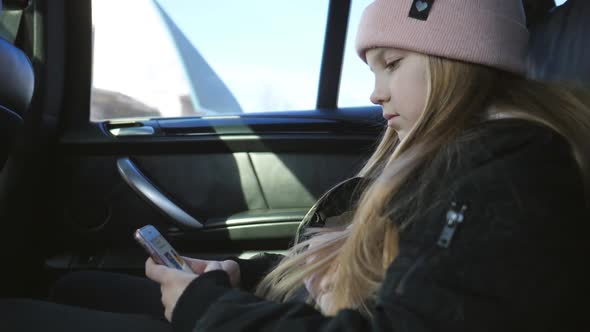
(73, 191)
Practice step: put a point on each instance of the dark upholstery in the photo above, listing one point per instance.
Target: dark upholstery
(16, 78)
(17, 83)
(16, 4)
(560, 44)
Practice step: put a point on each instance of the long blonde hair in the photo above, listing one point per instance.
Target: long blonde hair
(354, 258)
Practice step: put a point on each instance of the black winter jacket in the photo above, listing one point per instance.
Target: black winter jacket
(500, 249)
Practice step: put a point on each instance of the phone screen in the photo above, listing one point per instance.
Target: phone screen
(160, 250)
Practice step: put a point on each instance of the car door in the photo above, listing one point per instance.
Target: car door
(218, 178)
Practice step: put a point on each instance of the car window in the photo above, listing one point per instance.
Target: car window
(171, 58)
(356, 82)
(560, 2)
(9, 23)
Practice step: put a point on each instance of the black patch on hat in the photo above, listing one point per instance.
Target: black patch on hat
(421, 9)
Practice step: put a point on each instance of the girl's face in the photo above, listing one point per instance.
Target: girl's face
(400, 86)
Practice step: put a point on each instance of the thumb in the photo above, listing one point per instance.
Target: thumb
(214, 265)
(155, 271)
(197, 265)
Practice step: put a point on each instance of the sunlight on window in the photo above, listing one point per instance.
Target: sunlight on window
(129, 79)
(182, 58)
(357, 80)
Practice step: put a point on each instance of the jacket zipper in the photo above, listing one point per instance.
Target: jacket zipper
(454, 217)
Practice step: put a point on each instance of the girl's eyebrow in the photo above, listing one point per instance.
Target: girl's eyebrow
(389, 53)
(392, 57)
(386, 55)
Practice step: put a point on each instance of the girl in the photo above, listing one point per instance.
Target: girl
(468, 216)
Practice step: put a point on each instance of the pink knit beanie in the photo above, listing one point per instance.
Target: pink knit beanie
(487, 32)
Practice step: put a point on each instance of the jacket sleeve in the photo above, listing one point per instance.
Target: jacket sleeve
(504, 268)
(252, 270)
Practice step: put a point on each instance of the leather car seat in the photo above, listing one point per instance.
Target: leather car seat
(17, 83)
(560, 45)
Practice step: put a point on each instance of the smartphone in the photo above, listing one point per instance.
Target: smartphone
(159, 249)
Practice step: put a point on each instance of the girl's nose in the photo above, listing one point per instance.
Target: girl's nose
(378, 99)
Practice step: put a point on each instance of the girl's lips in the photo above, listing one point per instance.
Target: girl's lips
(390, 118)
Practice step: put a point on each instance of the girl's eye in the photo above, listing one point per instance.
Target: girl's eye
(393, 65)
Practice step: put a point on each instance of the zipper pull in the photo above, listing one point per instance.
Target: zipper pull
(454, 218)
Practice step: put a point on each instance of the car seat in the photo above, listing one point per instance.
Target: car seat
(559, 46)
(17, 83)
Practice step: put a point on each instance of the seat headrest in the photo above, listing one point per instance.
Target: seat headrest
(559, 48)
(17, 80)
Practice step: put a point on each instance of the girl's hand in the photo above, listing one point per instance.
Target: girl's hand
(174, 282)
(200, 266)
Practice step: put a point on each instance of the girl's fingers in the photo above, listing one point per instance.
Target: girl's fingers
(155, 271)
(197, 265)
(213, 265)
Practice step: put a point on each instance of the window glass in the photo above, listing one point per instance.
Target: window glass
(560, 2)
(170, 58)
(9, 24)
(356, 82)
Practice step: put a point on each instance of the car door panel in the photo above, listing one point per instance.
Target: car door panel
(248, 182)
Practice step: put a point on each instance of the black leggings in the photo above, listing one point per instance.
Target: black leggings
(90, 301)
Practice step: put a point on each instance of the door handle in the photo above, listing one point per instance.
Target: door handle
(148, 191)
